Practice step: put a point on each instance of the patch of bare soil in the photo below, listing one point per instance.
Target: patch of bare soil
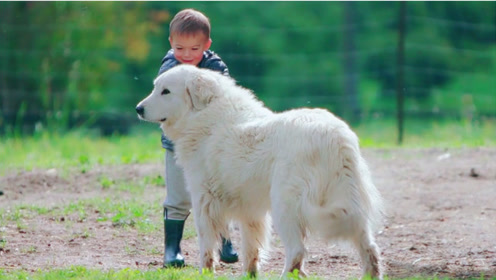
(441, 220)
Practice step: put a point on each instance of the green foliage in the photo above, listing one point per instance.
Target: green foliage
(64, 63)
(465, 95)
(435, 53)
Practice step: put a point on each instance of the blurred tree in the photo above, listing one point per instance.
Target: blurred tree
(68, 58)
(58, 67)
(433, 51)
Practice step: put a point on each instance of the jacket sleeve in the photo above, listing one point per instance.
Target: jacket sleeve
(218, 65)
(213, 62)
(167, 63)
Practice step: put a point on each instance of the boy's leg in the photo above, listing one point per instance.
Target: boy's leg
(227, 252)
(177, 207)
(177, 201)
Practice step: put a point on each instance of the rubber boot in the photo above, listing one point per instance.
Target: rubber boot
(227, 253)
(173, 230)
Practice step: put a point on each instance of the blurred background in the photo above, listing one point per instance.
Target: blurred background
(74, 65)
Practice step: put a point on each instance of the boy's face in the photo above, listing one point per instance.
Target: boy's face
(188, 49)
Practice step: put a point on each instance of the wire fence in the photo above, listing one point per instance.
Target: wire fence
(455, 102)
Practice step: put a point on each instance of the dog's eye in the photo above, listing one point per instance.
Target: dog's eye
(165, 91)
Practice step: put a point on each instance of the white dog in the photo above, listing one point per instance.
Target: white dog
(242, 161)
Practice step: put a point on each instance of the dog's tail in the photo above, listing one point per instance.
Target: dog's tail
(266, 241)
(347, 200)
(370, 202)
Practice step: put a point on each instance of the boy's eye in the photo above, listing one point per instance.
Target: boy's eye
(165, 91)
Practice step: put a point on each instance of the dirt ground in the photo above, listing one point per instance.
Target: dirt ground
(441, 220)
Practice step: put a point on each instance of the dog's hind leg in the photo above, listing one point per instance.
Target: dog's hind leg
(369, 253)
(207, 242)
(292, 233)
(255, 237)
(208, 237)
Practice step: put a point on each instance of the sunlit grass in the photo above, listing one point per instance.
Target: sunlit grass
(425, 134)
(187, 273)
(84, 273)
(51, 150)
(77, 149)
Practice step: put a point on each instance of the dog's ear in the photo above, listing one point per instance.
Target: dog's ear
(200, 89)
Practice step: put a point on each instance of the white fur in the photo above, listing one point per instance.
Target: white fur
(242, 161)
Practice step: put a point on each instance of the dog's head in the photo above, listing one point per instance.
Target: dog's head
(181, 89)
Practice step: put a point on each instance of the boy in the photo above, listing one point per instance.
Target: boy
(189, 37)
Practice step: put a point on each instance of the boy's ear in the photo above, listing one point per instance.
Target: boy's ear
(208, 44)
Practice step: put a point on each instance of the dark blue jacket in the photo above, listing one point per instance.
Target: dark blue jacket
(210, 60)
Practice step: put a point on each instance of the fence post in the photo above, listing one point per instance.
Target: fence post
(349, 62)
(400, 60)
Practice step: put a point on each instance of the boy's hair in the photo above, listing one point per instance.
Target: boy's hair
(188, 22)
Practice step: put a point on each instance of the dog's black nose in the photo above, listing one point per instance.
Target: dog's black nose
(140, 110)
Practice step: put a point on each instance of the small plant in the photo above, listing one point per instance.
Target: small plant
(30, 249)
(154, 180)
(121, 220)
(130, 187)
(15, 215)
(126, 159)
(3, 244)
(85, 234)
(155, 251)
(78, 207)
(83, 159)
(21, 227)
(106, 183)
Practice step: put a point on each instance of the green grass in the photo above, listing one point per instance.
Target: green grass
(51, 150)
(125, 274)
(133, 213)
(188, 273)
(426, 134)
(76, 149)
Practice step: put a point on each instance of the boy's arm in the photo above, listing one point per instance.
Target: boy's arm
(210, 61)
(167, 63)
(213, 62)
(219, 66)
